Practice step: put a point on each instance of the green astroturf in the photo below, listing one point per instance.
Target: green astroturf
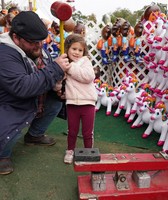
(115, 130)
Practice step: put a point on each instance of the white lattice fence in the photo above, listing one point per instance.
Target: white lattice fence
(93, 35)
(112, 73)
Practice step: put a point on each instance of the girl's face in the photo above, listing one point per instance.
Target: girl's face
(75, 51)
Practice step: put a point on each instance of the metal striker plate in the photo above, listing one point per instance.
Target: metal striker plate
(161, 154)
(120, 180)
(86, 154)
(142, 179)
(165, 155)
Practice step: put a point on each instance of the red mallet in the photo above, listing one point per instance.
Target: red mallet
(63, 12)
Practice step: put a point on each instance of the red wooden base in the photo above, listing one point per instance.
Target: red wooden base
(124, 162)
(158, 189)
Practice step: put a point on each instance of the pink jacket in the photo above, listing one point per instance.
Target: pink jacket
(80, 89)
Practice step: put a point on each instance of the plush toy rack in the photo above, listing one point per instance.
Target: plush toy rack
(113, 72)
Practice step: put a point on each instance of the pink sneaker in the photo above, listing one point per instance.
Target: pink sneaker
(68, 158)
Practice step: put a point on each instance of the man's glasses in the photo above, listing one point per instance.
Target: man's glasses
(32, 42)
(29, 41)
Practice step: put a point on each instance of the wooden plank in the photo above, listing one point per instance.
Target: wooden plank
(124, 162)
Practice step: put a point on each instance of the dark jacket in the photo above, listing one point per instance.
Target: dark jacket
(19, 87)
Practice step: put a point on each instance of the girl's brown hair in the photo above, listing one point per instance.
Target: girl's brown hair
(72, 38)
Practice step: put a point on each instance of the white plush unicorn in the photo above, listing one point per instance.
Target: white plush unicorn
(151, 73)
(144, 114)
(135, 108)
(122, 98)
(157, 123)
(132, 95)
(97, 83)
(104, 99)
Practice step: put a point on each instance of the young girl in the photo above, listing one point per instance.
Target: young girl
(80, 94)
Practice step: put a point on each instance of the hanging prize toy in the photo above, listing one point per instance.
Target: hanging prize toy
(137, 45)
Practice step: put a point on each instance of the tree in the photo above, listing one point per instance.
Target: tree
(92, 17)
(125, 14)
(78, 16)
(163, 8)
(106, 18)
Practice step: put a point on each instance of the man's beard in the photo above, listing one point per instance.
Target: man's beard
(33, 56)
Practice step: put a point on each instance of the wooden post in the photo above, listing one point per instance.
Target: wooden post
(3, 4)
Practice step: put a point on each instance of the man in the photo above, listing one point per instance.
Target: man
(29, 80)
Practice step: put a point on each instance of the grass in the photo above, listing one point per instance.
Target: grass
(40, 173)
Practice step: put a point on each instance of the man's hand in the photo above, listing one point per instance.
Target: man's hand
(63, 62)
(58, 86)
(59, 93)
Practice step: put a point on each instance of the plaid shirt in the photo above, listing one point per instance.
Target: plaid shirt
(41, 98)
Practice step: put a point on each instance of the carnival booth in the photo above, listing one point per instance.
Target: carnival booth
(131, 74)
(133, 77)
